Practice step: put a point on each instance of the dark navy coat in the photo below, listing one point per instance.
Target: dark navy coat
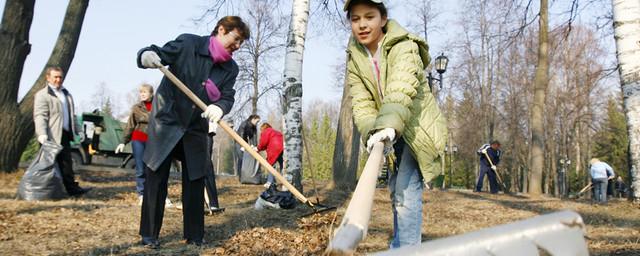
(495, 157)
(173, 116)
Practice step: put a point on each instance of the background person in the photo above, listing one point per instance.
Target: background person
(136, 132)
(600, 172)
(273, 142)
(54, 118)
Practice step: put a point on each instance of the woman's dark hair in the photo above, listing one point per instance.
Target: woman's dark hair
(380, 7)
(229, 23)
(251, 117)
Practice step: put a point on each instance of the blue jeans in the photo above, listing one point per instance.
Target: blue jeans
(279, 161)
(406, 187)
(600, 188)
(138, 153)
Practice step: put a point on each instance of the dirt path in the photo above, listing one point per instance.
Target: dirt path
(105, 221)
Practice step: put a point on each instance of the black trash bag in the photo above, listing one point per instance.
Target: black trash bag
(43, 180)
(249, 170)
(273, 197)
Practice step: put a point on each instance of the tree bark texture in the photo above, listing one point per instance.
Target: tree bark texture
(17, 125)
(541, 83)
(626, 24)
(347, 148)
(293, 92)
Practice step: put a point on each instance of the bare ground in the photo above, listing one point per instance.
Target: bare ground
(105, 221)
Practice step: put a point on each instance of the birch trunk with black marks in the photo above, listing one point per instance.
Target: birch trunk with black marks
(626, 24)
(293, 92)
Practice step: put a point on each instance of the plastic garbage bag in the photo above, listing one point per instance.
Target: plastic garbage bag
(43, 180)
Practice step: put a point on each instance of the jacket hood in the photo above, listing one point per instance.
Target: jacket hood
(395, 34)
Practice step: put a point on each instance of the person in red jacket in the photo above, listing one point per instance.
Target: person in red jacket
(273, 142)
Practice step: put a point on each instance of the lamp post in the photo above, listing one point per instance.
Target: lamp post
(440, 65)
(450, 151)
(564, 163)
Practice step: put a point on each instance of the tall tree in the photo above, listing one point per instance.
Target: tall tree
(626, 23)
(541, 82)
(347, 145)
(17, 126)
(293, 91)
(257, 55)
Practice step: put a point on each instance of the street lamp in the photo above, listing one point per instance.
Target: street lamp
(453, 150)
(564, 163)
(440, 65)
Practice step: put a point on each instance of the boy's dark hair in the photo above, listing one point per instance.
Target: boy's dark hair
(229, 23)
(495, 142)
(380, 7)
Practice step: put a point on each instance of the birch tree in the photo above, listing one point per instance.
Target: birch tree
(293, 91)
(17, 125)
(626, 24)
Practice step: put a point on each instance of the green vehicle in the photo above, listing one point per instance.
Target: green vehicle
(103, 134)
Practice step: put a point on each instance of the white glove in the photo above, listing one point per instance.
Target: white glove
(150, 59)
(386, 135)
(484, 151)
(213, 113)
(119, 148)
(242, 149)
(43, 138)
(494, 168)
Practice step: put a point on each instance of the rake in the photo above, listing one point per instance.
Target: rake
(316, 207)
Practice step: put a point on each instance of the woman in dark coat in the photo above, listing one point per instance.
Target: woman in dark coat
(176, 127)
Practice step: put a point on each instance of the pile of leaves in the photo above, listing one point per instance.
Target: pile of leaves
(310, 238)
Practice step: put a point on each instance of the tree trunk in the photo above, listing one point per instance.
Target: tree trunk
(347, 148)
(537, 120)
(293, 91)
(626, 23)
(17, 126)
(14, 42)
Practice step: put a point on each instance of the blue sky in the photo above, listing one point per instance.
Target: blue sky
(115, 30)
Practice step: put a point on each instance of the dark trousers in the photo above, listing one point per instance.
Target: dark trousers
(493, 183)
(66, 164)
(155, 192)
(210, 178)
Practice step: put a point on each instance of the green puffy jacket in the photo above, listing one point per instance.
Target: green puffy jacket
(408, 105)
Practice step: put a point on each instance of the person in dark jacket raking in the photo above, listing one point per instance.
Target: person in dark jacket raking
(489, 167)
(177, 128)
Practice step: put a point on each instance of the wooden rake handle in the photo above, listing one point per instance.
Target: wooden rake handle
(223, 124)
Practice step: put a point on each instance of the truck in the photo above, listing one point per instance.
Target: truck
(102, 135)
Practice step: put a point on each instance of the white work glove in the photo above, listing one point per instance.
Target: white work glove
(43, 138)
(494, 168)
(484, 151)
(150, 59)
(213, 113)
(119, 148)
(386, 135)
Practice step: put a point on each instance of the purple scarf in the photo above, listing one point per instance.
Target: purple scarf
(218, 54)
